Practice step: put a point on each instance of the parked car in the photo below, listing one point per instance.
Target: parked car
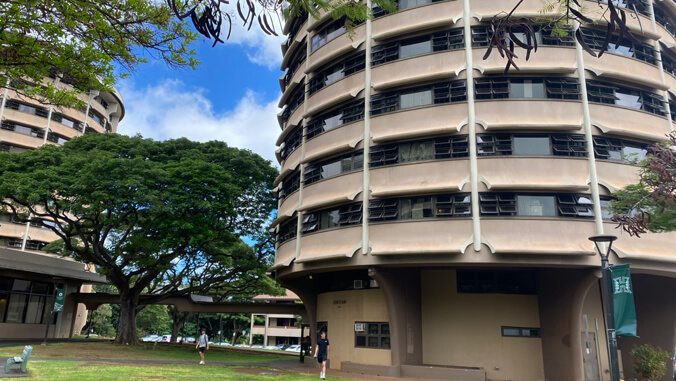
(223, 344)
(293, 348)
(189, 339)
(271, 347)
(164, 339)
(150, 338)
(282, 347)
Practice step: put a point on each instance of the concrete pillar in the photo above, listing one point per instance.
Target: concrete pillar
(250, 330)
(655, 318)
(265, 336)
(561, 298)
(401, 288)
(305, 288)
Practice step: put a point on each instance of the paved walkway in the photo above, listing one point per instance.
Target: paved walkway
(293, 365)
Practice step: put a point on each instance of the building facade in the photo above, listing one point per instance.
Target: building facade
(434, 211)
(279, 329)
(26, 124)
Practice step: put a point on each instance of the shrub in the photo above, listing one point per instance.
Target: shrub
(650, 362)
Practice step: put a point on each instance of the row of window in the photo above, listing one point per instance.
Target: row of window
(296, 99)
(338, 71)
(603, 92)
(293, 141)
(502, 204)
(439, 93)
(25, 302)
(344, 215)
(663, 19)
(372, 335)
(35, 222)
(377, 335)
(334, 167)
(568, 145)
(16, 243)
(6, 147)
(540, 205)
(517, 88)
(439, 148)
(57, 117)
(32, 131)
(328, 33)
(595, 39)
(294, 65)
(440, 206)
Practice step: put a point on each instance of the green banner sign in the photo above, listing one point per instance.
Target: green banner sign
(623, 297)
(58, 302)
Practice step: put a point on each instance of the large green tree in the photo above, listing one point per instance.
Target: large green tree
(223, 282)
(86, 43)
(136, 208)
(650, 204)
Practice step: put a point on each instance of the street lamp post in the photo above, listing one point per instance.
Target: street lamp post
(608, 301)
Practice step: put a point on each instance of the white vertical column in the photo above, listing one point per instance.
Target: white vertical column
(250, 330)
(90, 98)
(5, 94)
(306, 84)
(660, 66)
(593, 178)
(366, 193)
(471, 125)
(265, 336)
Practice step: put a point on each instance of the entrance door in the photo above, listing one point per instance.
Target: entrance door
(590, 357)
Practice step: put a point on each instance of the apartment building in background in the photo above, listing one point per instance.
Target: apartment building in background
(28, 276)
(434, 211)
(279, 329)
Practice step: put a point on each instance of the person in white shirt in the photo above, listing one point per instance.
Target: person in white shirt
(202, 344)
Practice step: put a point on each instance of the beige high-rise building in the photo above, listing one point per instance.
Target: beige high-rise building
(434, 212)
(28, 276)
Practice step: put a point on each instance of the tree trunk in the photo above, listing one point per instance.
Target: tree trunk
(126, 333)
(236, 334)
(178, 320)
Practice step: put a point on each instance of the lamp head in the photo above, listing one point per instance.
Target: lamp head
(602, 238)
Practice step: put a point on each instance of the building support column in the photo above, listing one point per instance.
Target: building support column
(267, 324)
(305, 288)
(561, 299)
(402, 291)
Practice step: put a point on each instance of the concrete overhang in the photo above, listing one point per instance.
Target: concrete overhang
(46, 265)
(195, 303)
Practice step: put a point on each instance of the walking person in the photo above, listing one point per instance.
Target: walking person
(322, 354)
(202, 344)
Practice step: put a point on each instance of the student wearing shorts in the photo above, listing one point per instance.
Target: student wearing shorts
(202, 345)
(322, 354)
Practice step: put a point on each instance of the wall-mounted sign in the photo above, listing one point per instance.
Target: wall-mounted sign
(359, 327)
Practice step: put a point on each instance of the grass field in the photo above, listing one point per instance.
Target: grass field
(90, 369)
(163, 351)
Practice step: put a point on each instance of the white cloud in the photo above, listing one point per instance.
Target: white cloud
(172, 110)
(262, 49)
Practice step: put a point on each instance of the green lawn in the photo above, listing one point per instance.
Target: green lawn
(163, 351)
(94, 371)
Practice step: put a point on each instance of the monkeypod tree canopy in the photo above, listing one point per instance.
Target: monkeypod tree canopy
(137, 208)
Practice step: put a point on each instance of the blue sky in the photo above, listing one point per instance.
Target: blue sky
(232, 96)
